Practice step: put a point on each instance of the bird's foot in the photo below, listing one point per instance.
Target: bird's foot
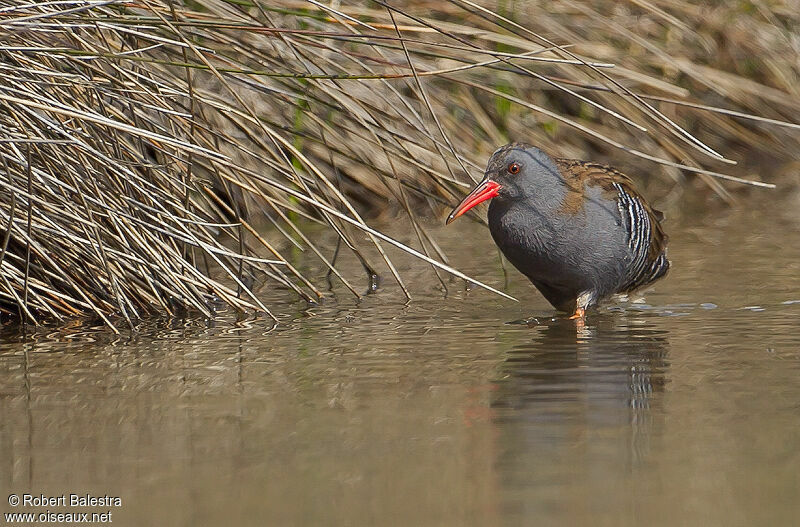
(580, 314)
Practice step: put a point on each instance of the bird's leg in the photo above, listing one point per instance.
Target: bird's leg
(583, 300)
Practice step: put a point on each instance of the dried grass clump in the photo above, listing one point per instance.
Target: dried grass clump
(140, 139)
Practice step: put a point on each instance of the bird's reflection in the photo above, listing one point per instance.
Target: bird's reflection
(572, 391)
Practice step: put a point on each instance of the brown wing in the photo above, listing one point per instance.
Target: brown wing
(647, 239)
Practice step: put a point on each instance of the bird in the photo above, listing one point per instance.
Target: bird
(578, 230)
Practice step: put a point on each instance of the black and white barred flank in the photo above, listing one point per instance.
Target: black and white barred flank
(645, 266)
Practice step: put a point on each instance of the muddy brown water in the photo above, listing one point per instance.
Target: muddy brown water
(683, 410)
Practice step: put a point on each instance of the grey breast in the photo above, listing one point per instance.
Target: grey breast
(570, 253)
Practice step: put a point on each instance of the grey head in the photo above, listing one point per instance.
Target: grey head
(517, 173)
(526, 174)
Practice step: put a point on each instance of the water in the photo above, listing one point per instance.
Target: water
(684, 410)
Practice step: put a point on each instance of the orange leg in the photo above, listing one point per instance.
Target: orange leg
(580, 313)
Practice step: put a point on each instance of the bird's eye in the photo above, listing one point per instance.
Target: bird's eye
(513, 168)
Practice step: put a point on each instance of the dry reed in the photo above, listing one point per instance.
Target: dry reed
(140, 139)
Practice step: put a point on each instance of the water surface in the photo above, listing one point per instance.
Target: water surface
(683, 410)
